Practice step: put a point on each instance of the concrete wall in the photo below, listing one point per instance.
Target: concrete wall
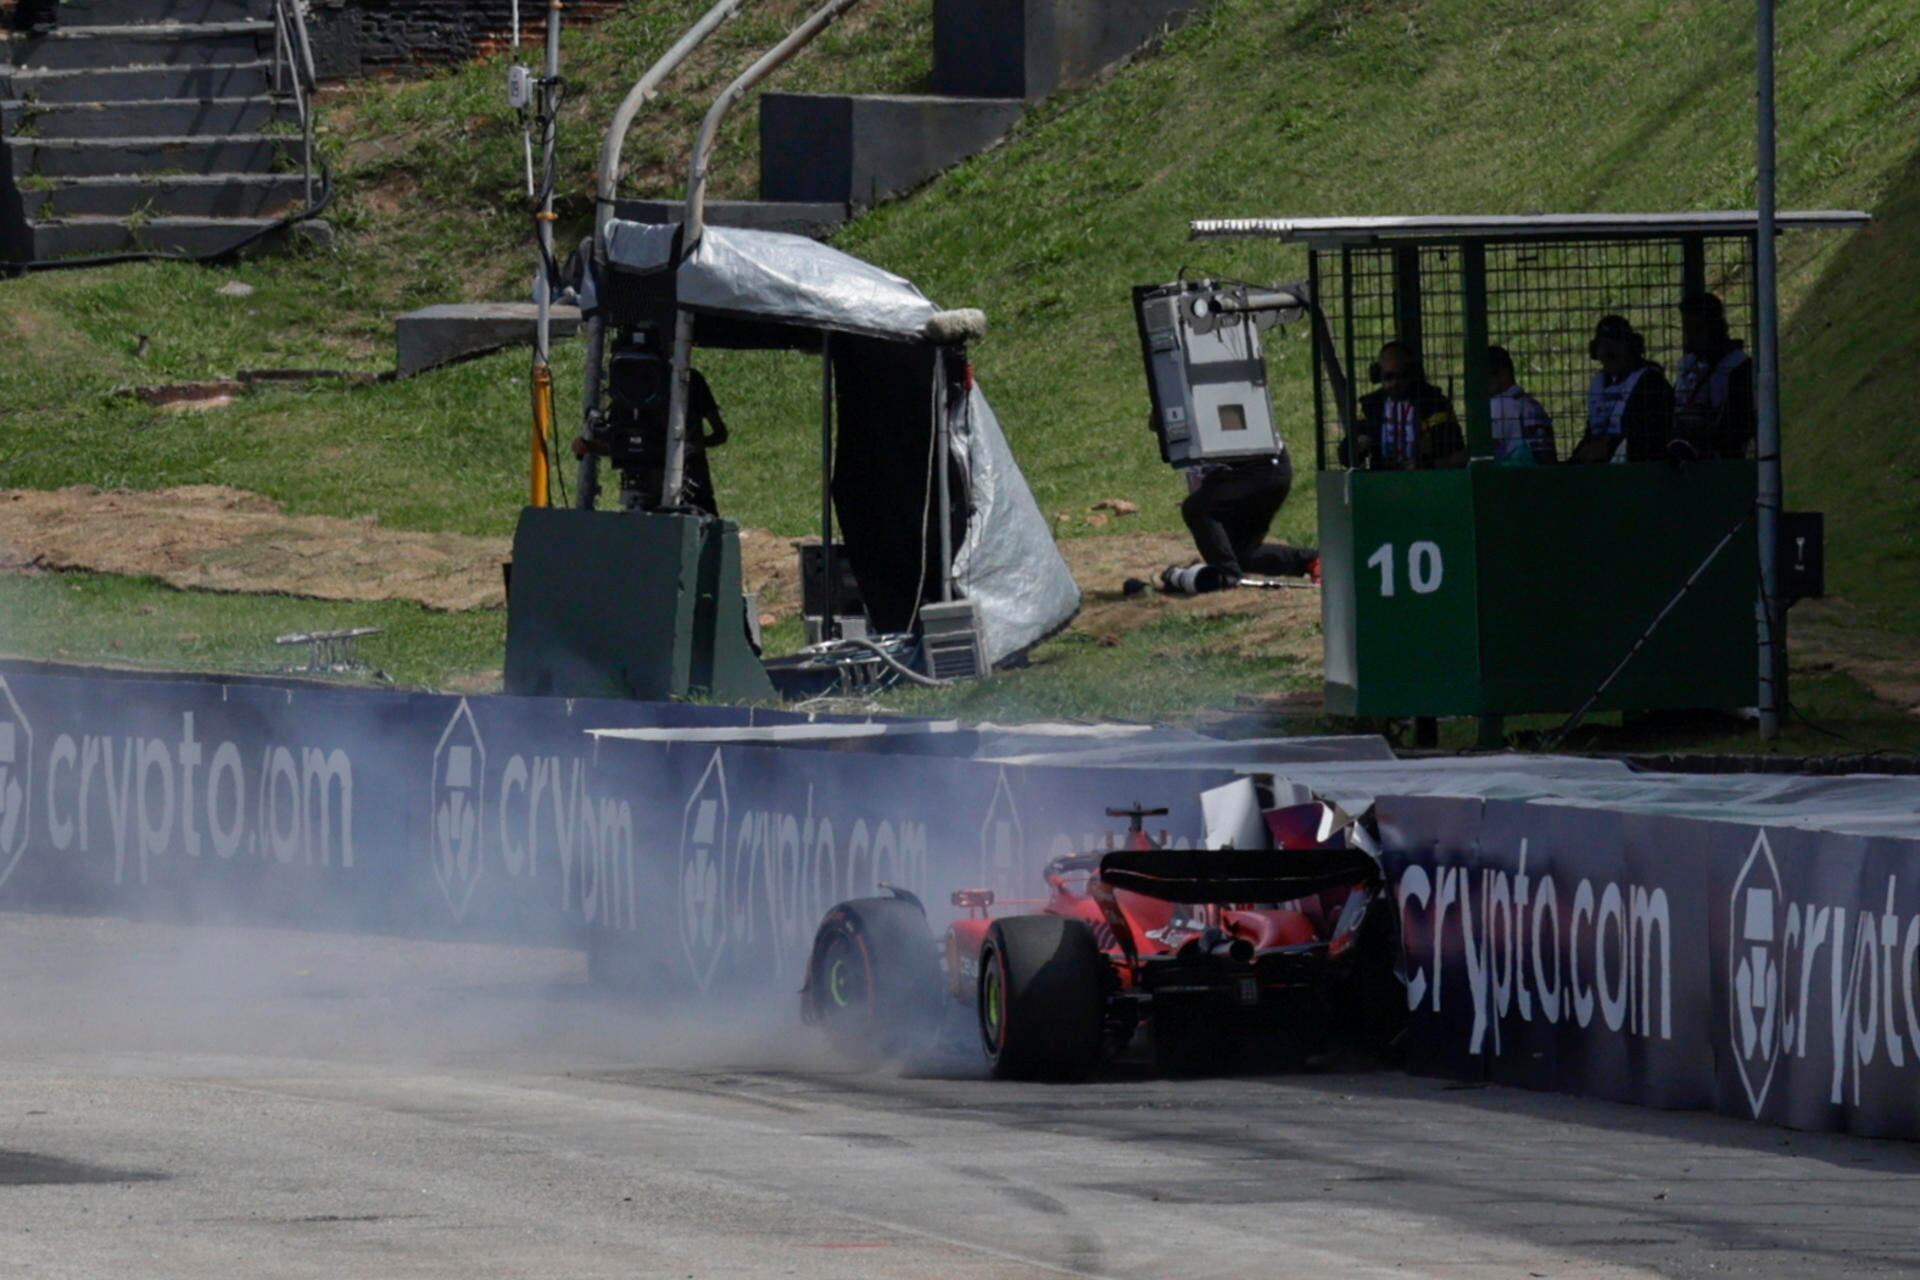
(1029, 48)
(354, 37)
(860, 149)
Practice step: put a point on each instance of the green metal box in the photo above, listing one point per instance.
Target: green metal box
(608, 604)
(1498, 590)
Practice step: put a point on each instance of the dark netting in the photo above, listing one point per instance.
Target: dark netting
(1543, 300)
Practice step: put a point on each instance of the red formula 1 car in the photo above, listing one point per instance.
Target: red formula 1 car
(1209, 950)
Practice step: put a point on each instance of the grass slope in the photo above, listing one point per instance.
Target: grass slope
(1261, 106)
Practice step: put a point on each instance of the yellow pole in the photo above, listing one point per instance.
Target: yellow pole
(542, 494)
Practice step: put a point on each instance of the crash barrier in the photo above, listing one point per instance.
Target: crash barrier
(503, 819)
(1762, 972)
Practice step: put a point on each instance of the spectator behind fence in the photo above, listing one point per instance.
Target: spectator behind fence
(1408, 424)
(1713, 414)
(1522, 427)
(1629, 401)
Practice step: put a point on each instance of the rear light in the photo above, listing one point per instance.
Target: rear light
(973, 899)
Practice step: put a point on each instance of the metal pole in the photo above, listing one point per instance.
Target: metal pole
(542, 288)
(643, 91)
(543, 285)
(674, 474)
(1772, 637)
(943, 451)
(828, 627)
(695, 221)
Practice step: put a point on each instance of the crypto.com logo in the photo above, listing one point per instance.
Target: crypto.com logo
(1756, 973)
(1001, 839)
(16, 780)
(703, 841)
(459, 797)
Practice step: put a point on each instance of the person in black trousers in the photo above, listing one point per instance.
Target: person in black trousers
(1229, 510)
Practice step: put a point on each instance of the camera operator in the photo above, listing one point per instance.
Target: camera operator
(636, 439)
(1229, 508)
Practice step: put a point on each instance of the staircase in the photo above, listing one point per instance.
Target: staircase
(823, 156)
(150, 125)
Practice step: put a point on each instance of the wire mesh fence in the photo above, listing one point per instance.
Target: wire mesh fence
(1543, 299)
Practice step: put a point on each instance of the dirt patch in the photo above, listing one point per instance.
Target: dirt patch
(213, 538)
(393, 195)
(1831, 633)
(1279, 624)
(770, 568)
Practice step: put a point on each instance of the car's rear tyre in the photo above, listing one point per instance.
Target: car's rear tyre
(873, 983)
(1042, 998)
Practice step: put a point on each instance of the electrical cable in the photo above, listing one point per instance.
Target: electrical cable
(831, 649)
(926, 506)
(905, 671)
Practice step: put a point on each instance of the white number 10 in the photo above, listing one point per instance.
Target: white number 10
(1425, 567)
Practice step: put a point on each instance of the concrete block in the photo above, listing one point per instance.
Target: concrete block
(112, 13)
(142, 119)
(1029, 48)
(79, 157)
(76, 48)
(433, 336)
(138, 84)
(800, 219)
(199, 237)
(235, 195)
(860, 149)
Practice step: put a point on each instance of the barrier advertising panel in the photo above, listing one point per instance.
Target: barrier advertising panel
(1768, 973)
(502, 819)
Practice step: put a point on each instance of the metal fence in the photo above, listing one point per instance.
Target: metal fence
(1543, 299)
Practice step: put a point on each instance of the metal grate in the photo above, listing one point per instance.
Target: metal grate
(1543, 299)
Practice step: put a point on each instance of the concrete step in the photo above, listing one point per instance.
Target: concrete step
(1029, 48)
(68, 237)
(157, 45)
(800, 219)
(139, 84)
(206, 195)
(115, 13)
(84, 157)
(860, 149)
(177, 116)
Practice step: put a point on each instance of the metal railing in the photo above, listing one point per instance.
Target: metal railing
(293, 70)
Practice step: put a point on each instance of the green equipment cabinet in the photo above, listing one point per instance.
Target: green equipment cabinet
(1494, 590)
(616, 604)
(1526, 584)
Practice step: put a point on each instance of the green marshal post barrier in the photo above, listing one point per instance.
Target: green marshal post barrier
(1495, 590)
(609, 604)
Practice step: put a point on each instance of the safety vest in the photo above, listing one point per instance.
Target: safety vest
(1607, 407)
(1399, 429)
(1700, 393)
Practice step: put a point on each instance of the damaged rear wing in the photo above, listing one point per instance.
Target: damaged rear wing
(1235, 875)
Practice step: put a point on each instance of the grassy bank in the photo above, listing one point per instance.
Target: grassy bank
(1261, 106)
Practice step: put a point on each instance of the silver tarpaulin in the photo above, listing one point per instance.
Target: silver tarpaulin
(1007, 562)
(778, 278)
(1008, 566)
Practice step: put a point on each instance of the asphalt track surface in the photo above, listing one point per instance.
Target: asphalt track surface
(182, 1103)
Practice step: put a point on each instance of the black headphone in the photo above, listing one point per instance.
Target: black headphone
(1419, 365)
(1635, 341)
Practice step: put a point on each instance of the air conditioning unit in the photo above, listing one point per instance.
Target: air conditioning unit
(950, 641)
